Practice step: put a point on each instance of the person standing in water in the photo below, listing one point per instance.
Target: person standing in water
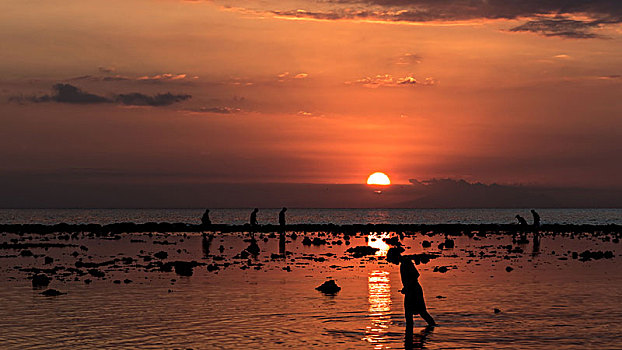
(205, 220)
(414, 303)
(536, 218)
(282, 216)
(253, 220)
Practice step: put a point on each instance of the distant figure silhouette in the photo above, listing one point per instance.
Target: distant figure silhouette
(282, 216)
(414, 303)
(253, 220)
(205, 220)
(521, 220)
(536, 218)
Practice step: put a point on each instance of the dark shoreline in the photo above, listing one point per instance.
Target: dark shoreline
(164, 227)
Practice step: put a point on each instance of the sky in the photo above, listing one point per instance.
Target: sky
(194, 94)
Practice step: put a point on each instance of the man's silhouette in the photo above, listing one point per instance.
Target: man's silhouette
(414, 303)
(205, 220)
(536, 218)
(253, 220)
(521, 220)
(282, 216)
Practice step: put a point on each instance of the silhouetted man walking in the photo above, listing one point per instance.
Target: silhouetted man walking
(253, 220)
(205, 220)
(414, 303)
(282, 216)
(536, 218)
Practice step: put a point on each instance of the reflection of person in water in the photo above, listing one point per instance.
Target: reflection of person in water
(414, 303)
(253, 220)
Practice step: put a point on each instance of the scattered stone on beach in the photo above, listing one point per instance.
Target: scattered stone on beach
(496, 310)
(596, 255)
(449, 243)
(329, 287)
(127, 281)
(362, 250)
(52, 293)
(161, 255)
(394, 241)
(48, 260)
(184, 268)
(440, 297)
(40, 280)
(426, 244)
(96, 273)
(306, 241)
(509, 268)
(26, 252)
(441, 269)
(212, 267)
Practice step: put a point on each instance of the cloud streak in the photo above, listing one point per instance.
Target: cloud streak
(67, 93)
(577, 19)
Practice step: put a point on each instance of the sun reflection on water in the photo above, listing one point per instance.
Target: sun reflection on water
(379, 286)
(376, 240)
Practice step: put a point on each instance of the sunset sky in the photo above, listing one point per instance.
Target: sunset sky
(326, 91)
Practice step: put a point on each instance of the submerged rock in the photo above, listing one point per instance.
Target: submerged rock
(161, 255)
(184, 268)
(40, 280)
(329, 287)
(362, 251)
(52, 293)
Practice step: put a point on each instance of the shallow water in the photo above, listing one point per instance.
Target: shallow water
(311, 216)
(545, 302)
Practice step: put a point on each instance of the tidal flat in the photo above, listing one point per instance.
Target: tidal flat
(181, 290)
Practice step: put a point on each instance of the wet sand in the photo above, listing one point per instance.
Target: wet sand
(150, 286)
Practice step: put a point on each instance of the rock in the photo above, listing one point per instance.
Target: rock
(48, 260)
(26, 252)
(329, 287)
(116, 281)
(96, 273)
(127, 281)
(212, 267)
(184, 268)
(319, 241)
(509, 268)
(362, 251)
(394, 241)
(161, 255)
(40, 280)
(87, 281)
(426, 244)
(449, 243)
(442, 269)
(440, 297)
(497, 310)
(52, 293)
(306, 241)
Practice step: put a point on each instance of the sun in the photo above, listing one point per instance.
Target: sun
(378, 178)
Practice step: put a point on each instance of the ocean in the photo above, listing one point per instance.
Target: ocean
(310, 216)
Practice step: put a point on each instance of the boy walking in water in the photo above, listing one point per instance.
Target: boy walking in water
(414, 304)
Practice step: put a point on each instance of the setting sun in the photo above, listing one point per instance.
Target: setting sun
(378, 178)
